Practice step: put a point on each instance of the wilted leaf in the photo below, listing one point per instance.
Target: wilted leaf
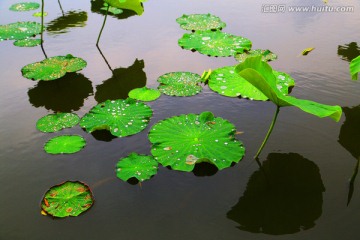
(306, 51)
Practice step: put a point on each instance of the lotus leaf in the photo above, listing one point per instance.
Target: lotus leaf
(134, 5)
(200, 22)
(65, 144)
(228, 83)
(27, 42)
(180, 84)
(144, 94)
(53, 68)
(141, 167)
(182, 141)
(112, 10)
(355, 68)
(121, 117)
(67, 199)
(24, 6)
(40, 14)
(214, 43)
(19, 30)
(56, 122)
(266, 55)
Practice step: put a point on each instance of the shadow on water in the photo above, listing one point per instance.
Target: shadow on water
(349, 51)
(283, 197)
(70, 19)
(65, 94)
(96, 6)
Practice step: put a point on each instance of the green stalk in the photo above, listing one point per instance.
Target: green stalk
(102, 27)
(42, 28)
(268, 133)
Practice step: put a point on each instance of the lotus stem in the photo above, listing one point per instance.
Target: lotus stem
(42, 28)
(352, 180)
(268, 133)
(102, 27)
(61, 8)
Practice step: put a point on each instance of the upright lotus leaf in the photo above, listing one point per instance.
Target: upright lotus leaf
(121, 117)
(134, 5)
(53, 68)
(65, 144)
(200, 22)
(355, 68)
(56, 122)
(214, 43)
(144, 94)
(19, 30)
(260, 74)
(24, 6)
(141, 167)
(227, 82)
(182, 141)
(266, 55)
(67, 199)
(113, 10)
(27, 42)
(180, 84)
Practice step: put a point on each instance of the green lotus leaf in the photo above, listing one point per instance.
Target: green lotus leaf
(260, 74)
(182, 141)
(27, 42)
(355, 68)
(65, 144)
(53, 68)
(40, 14)
(24, 6)
(200, 22)
(144, 94)
(121, 117)
(214, 43)
(141, 167)
(227, 82)
(266, 55)
(180, 84)
(134, 5)
(56, 122)
(67, 199)
(19, 30)
(113, 10)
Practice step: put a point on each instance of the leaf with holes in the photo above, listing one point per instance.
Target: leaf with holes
(56, 122)
(65, 144)
(181, 84)
(144, 94)
(19, 30)
(266, 55)
(24, 6)
(182, 141)
(200, 22)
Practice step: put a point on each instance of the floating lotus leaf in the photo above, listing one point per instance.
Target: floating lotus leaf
(134, 5)
(53, 68)
(182, 141)
(56, 122)
(214, 43)
(227, 82)
(180, 84)
(19, 30)
(121, 117)
(144, 94)
(40, 14)
(27, 42)
(141, 167)
(65, 144)
(24, 6)
(355, 68)
(266, 55)
(200, 22)
(67, 199)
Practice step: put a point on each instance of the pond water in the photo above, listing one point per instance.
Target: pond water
(307, 161)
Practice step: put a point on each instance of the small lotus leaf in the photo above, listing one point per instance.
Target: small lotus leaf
(65, 144)
(27, 42)
(355, 68)
(67, 199)
(53, 68)
(180, 84)
(121, 117)
(144, 94)
(200, 22)
(141, 167)
(214, 43)
(40, 14)
(266, 55)
(19, 30)
(182, 141)
(24, 6)
(56, 122)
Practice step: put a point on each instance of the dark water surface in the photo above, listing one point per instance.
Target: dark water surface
(300, 193)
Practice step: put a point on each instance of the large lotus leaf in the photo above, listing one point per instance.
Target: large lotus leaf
(200, 22)
(56, 122)
(134, 5)
(214, 43)
(260, 74)
(24, 6)
(53, 68)
(180, 84)
(19, 30)
(266, 55)
(230, 84)
(182, 141)
(67, 199)
(65, 144)
(144, 94)
(355, 68)
(27, 42)
(121, 117)
(141, 167)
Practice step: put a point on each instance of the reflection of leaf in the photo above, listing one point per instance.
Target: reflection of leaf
(355, 68)
(65, 144)
(349, 51)
(349, 136)
(56, 122)
(181, 84)
(306, 51)
(71, 19)
(200, 22)
(19, 30)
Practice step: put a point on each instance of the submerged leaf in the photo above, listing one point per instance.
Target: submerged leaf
(24, 6)
(27, 42)
(56, 122)
(266, 55)
(144, 94)
(180, 84)
(200, 22)
(19, 30)
(65, 144)
(355, 68)
(306, 51)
